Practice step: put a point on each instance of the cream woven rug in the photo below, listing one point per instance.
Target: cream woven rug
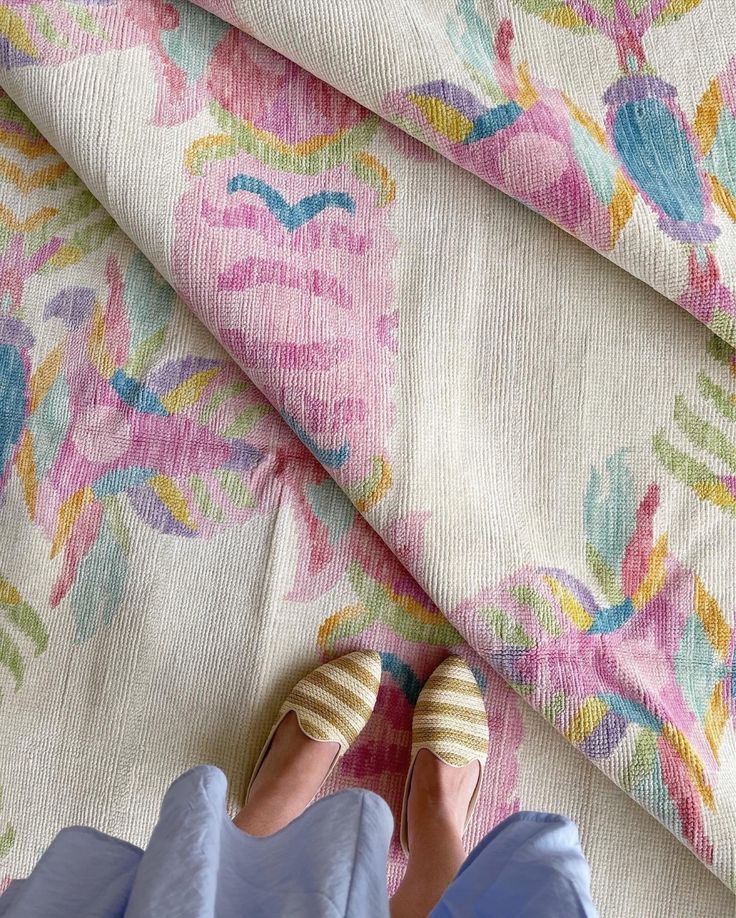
(386, 406)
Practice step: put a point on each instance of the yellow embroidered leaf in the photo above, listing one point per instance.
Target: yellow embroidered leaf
(569, 605)
(26, 468)
(691, 760)
(707, 114)
(189, 391)
(655, 576)
(13, 28)
(96, 348)
(586, 719)
(443, 118)
(715, 625)
(715, 719)
(173, 499)
(43, 377)
(8, 593)
(68, 515)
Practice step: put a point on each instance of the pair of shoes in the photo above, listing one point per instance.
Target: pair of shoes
(335, 701)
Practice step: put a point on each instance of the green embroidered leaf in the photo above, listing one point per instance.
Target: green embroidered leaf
(674, 10)
(28, 622)
(11, 657)
(7, 837)
(593, 13)
(642, 759)
(724, 326)
(683, 466)
(77, 207)
(348, 627)
(505, 629)
(235, 488)
(220, 397)
(204, 500)
(604, 575)
(696, 475)
(7, 840)
(46, 28)
(704, 435)
(554, 707)
(81, 243)
(717, 396)
(719, 350)
(556, 12)
(540, 606)
(142, 358)
(243, 137)
(9, 111)
(114, 519)
(246, 421)
(404, 615)
(86, 21)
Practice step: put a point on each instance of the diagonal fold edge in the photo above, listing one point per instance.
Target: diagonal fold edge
(286, 156)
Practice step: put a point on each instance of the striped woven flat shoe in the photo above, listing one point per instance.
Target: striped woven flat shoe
(332, 703)
(450, 720)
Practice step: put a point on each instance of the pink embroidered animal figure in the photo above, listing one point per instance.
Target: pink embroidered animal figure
(531, 141)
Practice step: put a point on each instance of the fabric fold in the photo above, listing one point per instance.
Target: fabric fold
(496, 442)
(596, 115)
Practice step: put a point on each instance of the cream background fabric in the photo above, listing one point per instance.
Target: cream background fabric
(522, 363)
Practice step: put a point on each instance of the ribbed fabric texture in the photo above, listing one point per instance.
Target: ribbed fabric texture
(280, 382)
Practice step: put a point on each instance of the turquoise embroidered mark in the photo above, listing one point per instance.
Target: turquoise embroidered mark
(330, 458)
(292, 216)
(403, 675)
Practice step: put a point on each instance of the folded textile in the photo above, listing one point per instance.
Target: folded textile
(491, 430)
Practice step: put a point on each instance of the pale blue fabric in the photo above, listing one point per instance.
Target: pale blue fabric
(329, 862)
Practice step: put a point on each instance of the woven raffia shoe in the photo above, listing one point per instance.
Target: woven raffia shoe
(450, 720)
(332, 703)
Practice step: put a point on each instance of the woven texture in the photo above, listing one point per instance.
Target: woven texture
(449, 718)
(388, 409)
(334, 702)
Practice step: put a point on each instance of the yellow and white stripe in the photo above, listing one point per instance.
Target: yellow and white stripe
(450, 717)
(335, 701)
(450, 720)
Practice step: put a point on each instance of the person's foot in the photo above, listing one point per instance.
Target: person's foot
(288, 779)
(439, 796)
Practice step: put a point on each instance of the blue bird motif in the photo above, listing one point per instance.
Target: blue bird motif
(653, 143)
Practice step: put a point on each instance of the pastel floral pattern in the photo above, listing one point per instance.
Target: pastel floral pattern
(107, 431)
(392, 613)
(308, 311)
(707, 463)
(534, 143)
(640, 673)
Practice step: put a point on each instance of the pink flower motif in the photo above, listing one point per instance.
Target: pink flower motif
(302, 301)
